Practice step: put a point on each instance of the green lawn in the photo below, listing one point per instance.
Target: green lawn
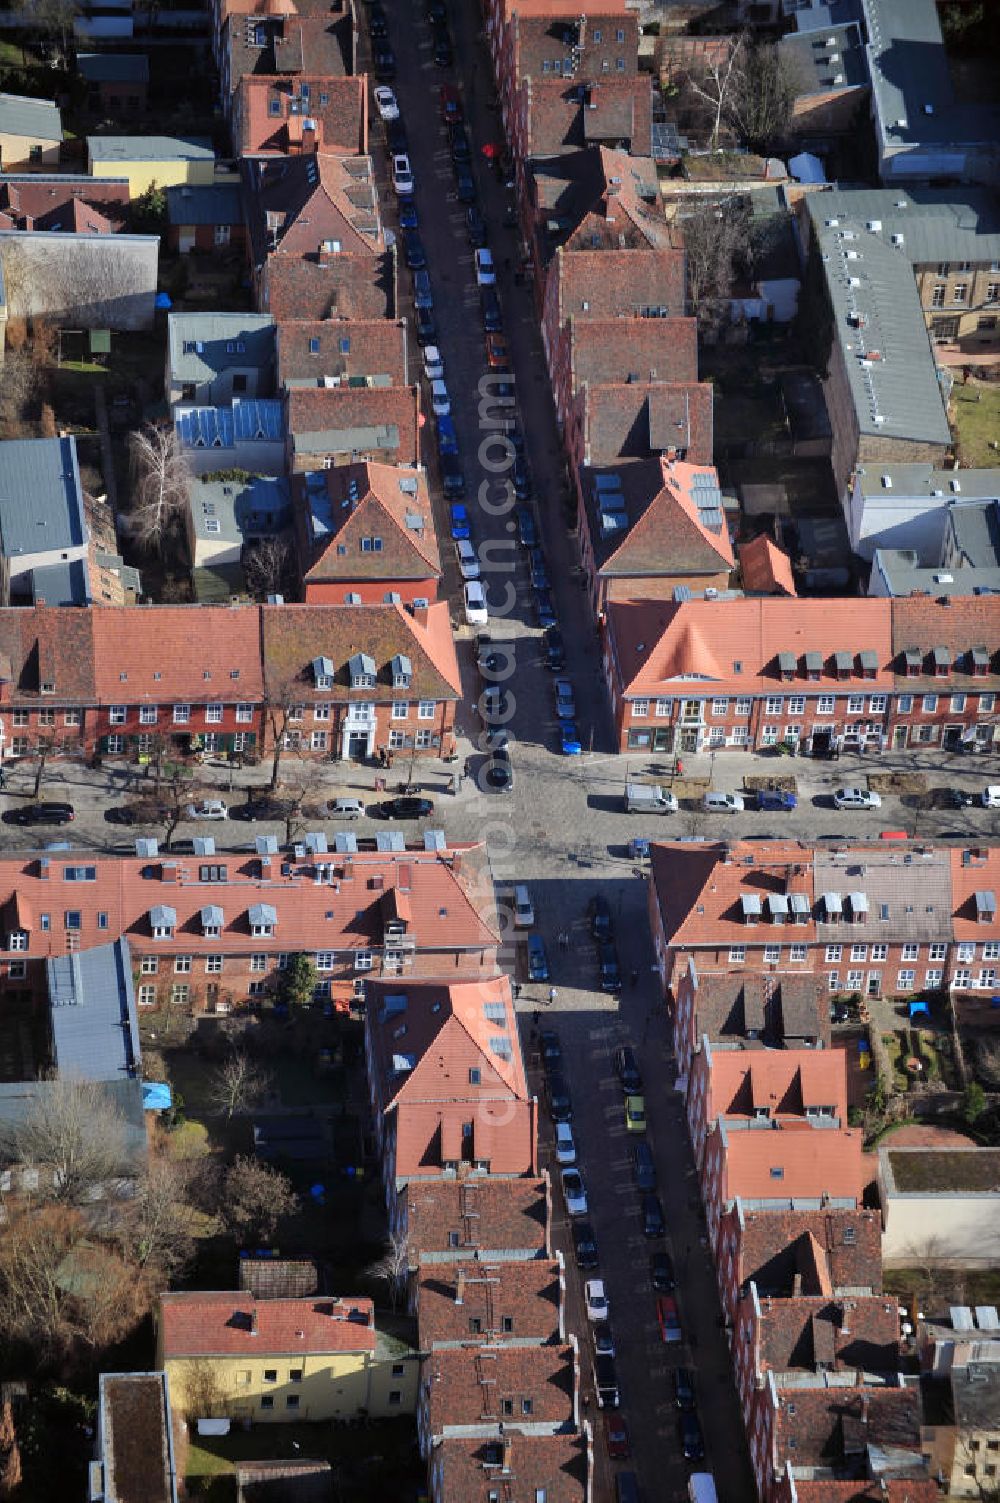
(976, 422)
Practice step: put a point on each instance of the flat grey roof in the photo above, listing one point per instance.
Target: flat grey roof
(879, 324)
(39, 118)
(150, 149)
(92, 1011)
(41, 499)
(828, 68)
(125, 1096)
(238, 510)
(208, 203)
(113, 67)
(201, 345)
(925, 480)
(62, 584)
(904, 574)
(937, 224)
(911, 80)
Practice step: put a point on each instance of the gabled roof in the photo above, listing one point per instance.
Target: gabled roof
(350, 506)
(778, 1082)
(339, 288)
(554, 1466)
(177, 654)
(959, 625)
(682, 530)
(632, 349)
(779, 1010)
(882, 1490)
(804, 1164)
(35, 119)
(458, 1303)
(51, 647)
(41, 498)
(828, 1250)
(310, 350)
(299, 205)
(469, 1388)
(832, 1426)
(295, 635)
(276, 116)
(766, 570)
(820, 1334)
(355, 420)
(559, 117)
(613, 283)
(92, 1014)
(230, 1324)
(731, 647)
(204, 204)
(626, 420)
(448, 1219)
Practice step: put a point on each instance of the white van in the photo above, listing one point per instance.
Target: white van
(701, 1488)
(649, 798)
(723, 803)
(524, 912)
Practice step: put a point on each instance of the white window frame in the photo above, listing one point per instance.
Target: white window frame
(833, 952)
(774, 704)
(877, 704)
(244, 714)
(181, 714)
(855, 704)
(426, 709)
(148, 714)
(117, 714)
(213, 714)
(744, 705)
(906, 980)
(400, 709)
(929, 704)
(798, 953)
(826, 704)
(796, 704)
(910, 952)
(640, 709)
(772, 954)
(661, 709)
(966, 951)
(737, 954)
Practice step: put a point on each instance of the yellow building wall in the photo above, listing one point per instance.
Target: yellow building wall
(330, 1387)
(166, 174)
(15, 154)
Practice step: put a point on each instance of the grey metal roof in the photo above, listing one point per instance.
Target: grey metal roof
(212, 916)
(345, 842)
(390, 840)
(828, 61)
(936, 224)
(248, 420)
(162, 917)
(204, 204)
(204, 845)
(315, 843)
(227, 511)
(879, 325)
(41, 498)
(92, 1013)
(201, 345)
(146, 847)
(925, 480)
(36, 118)
(150, 149)
(61, 584)
(434, 840)
(263, 913)
(900, 572)
(912, 889)
(266, 845)
(113, 67)
(365, 440)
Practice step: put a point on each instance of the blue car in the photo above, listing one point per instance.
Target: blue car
(447, 435)
(408, 217)
(538, 961)
(459, 521)
(539, 572)
(570, 739)
(526, 529)
(413, 249)
(544, 609)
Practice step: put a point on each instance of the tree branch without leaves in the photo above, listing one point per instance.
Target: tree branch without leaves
(74, 1136)
(160, 484)
(239, 1084)
(392, 1268)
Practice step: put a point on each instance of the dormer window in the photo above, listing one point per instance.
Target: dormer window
(322, 673)
(786, 665)
(912, 662)
(814, 666)
(362, 671)
(402, 671)
(869, 664)
(941, 658)
(17, 939)
(48, 687)
(263, 918)
(212, 920)
(162, 921)
(843, 664)
(750, 908)
(979, 662)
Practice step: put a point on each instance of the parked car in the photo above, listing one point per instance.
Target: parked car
(856, 798)
(661, 1272)
(723, 803)
(443, 55)
(584, 1245)
(521, 477)
(425, 325)
(538, 961)
(433, 363)
(489, 304)
(653, 1224)
(447, 435)
(683, 1382)
(606, 1385)
(345, 808)
(668, 1319)
(595, 1298)
(538, 569)
(526, 528)
(991, 797)
(475, 603)
(413, 250)
(616, 1436)
(635, 1114)
(604, 1341)
(475, 227)
(550, 1049)
(575, 1192)
(497, 353)
(565, 699)
(607, 960)
(775, 799)
(378, 23)
(423, 293)
(627, 1070)
(468, 563)
(208, 808)
(499, 770)
(460, 529)
(555, 651)
(486, 272)
(403, 808)
(643, 1166)
(569, 739)
(458, 140)
(559, 1099)
(383, 60)
(452, 476)
(440, 400)
(450, 104)
(565, 1145)
(386, 102)
(409, 218)
(545, 611)
(41, 814)
(692, 1443)
(396, 137)
(465, 183)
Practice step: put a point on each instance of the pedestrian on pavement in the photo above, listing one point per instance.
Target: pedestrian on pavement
(552, 994)
(468, 767)
(516, 989)
(3, 778)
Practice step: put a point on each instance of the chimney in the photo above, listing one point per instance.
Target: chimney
(845, 1323)
(347, 873)
(253, 1321)
(460, 1287)
(864, 1409)
(508, 1448)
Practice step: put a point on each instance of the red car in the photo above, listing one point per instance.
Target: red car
(616, 1435)
(450, 102)
(496, 352)
(668, 1319)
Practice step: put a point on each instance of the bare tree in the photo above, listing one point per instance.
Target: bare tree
(202, 1396)
(154, 1228)
(74, 1136)
(267, 566)
(392, 1268)
(716, 239)
(10, 1453)
(282, 708)
(46, 748)
(255, 1197)
(18, 389)
(54, 17)
(763, 88)
(160, 484)
(712, 83)
(239, 1084)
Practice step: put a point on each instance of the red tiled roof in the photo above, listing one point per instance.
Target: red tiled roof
(196, 1324)
(885, 1490)
(791, 1164)
(781, 1081)
(707, 639)
(165, 654)
(318, 416)
(825, 1426)
(613, 284)
(859, 1332)
(298, 203)
(974, 869)
(956, 622)
(553, 1466)
(381, 509)
(364, 347)
(456, 1306)
(765, 568)
(603, 350)
(32, 202)
(670, 535)
(451, 1218)
(628, 420)
(340, 123)
(773, 1246)
(48, 645)
(349, 287)
(483, 1385)
(294, 636)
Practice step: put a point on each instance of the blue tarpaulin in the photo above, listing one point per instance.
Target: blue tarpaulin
(156, 1096)
(917, 1007)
